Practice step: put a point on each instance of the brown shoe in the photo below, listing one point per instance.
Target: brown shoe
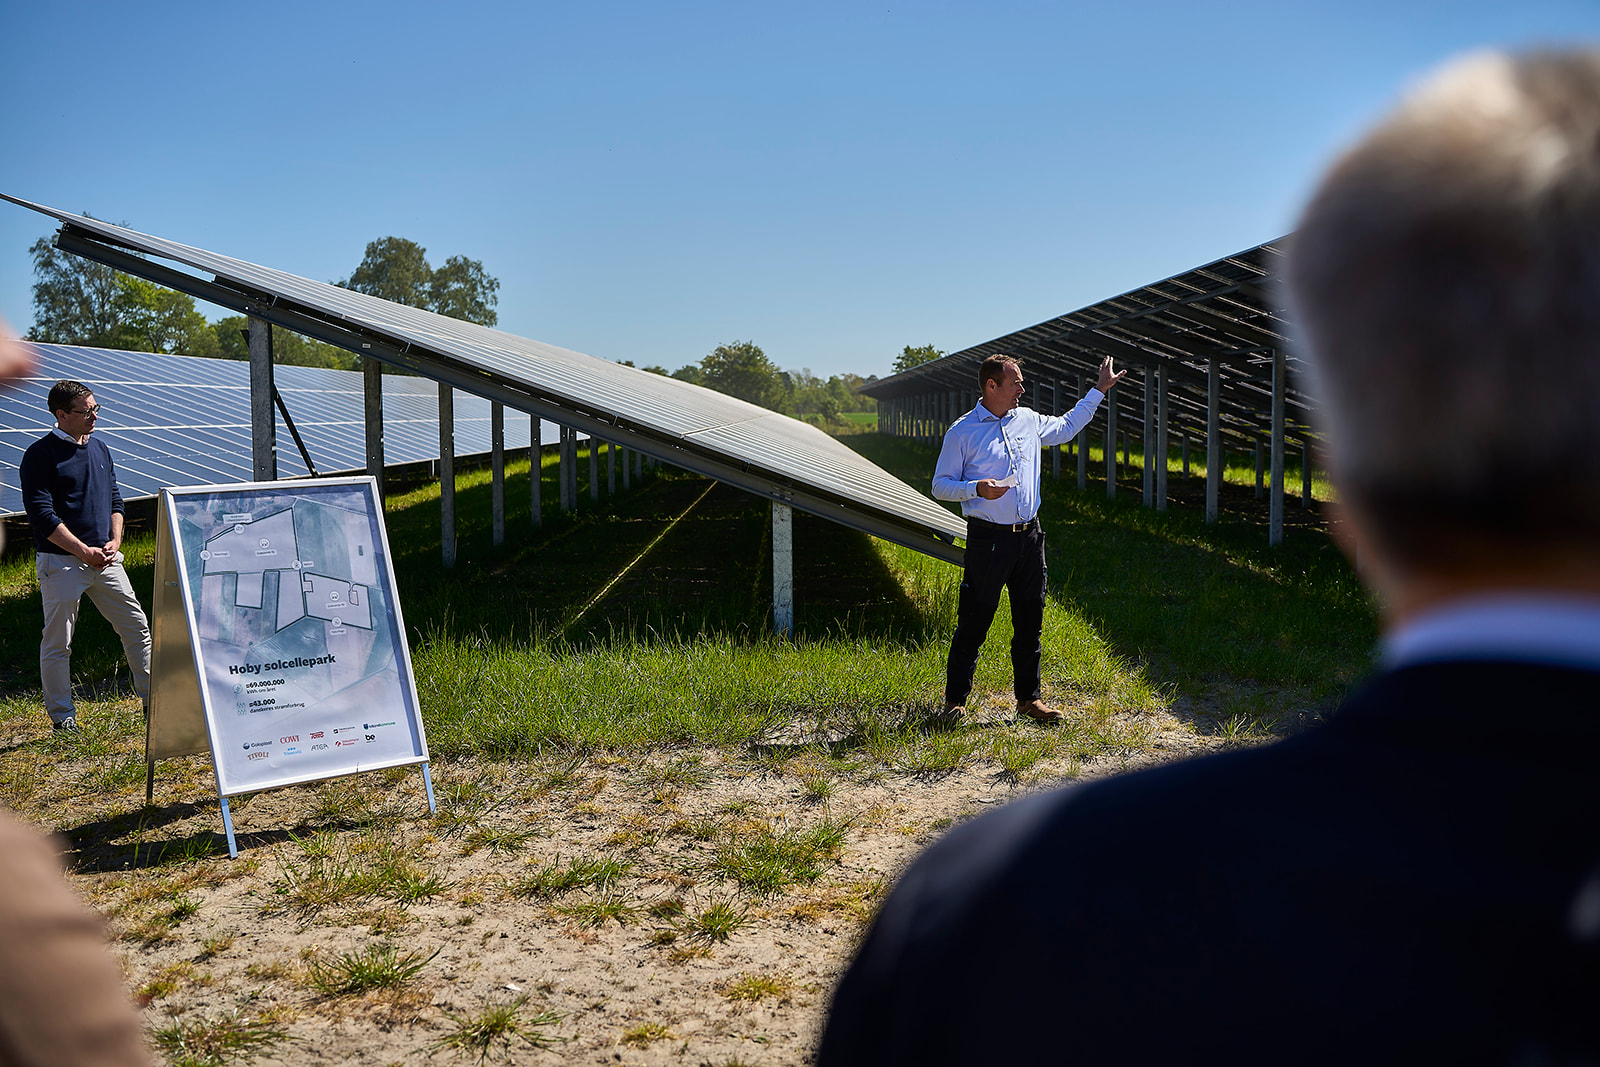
(1037, 711)
(948, 715)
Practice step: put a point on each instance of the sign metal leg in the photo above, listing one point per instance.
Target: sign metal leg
(427, 782)
(227, 826)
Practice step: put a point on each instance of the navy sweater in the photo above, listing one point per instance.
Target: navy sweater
(71, 485)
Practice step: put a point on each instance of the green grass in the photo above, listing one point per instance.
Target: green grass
(216, 1040)
(333, 870)
(555, 879)
(1144, 609)
(499, 1027)
(718, 921)
(766, 860)
(374, 967)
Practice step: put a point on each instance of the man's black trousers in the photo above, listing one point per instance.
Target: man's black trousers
(999, 558)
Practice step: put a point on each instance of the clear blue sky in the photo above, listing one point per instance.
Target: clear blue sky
(830, 180)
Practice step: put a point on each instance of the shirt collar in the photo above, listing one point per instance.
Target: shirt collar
(65, 436)
(1526, 627)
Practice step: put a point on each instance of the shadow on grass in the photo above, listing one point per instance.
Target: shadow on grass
(1194, 604)
(619, 572)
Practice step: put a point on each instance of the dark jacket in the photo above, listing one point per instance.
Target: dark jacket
(64, 483)
(1415, 881)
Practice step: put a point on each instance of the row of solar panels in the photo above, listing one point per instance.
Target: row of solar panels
(1228, 312)
(747, 446)
(182, 420)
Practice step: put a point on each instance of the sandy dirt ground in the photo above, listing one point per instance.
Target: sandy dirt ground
(653, 950)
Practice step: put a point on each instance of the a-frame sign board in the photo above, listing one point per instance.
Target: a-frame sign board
(277, 642)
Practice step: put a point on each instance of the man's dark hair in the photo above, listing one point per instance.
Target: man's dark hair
(64, 392)
(993, 369)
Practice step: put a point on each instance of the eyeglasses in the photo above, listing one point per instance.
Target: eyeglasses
(92, 411)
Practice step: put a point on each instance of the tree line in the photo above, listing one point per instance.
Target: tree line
(743, 370)
(77, 301)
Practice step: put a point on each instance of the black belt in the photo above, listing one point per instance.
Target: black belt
(1009, 527)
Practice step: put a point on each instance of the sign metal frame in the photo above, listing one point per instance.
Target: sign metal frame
(249, 630)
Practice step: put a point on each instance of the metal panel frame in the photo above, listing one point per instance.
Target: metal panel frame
(728, 449)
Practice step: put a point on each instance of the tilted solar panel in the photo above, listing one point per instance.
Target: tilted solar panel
(722, 437)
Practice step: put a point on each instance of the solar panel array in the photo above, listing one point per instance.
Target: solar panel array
(183, 420)
(1228, 311)
(720, 436)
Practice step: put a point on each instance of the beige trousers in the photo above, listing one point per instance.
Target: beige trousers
(62, 582)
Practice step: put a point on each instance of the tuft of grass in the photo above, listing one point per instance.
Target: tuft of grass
(754, 988)
(496, 839)
(646, 1034)
(336, 871)
(765, 861)
(553, 879)
(687, 772)
(374, 967)
(216, 1040)
(718, 921)
(597, 911)
(498, 1026)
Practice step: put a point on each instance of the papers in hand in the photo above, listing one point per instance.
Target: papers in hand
(1008, 481)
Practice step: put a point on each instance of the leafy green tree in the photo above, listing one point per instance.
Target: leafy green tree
(393, 269)
(397, 269)
(463, 290)
(915, 357)
(74, 299)
(288, 348)
(691, 374)
(743, 370)
(152, 318)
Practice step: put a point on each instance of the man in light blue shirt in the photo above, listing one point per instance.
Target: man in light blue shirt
(990, 464)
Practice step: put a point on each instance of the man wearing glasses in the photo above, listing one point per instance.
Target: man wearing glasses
(69, 487)
(990, 464)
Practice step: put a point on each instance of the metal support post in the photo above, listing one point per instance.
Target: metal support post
(1055, 409)
(1259, 468)
(594, 468)
(497, 467)
(1149, 487)
(782, 570)
(565, 469)
(1111, 446)
(1213, 438)
(611, 468)
(1161, 438)
(1083, 449)
(1275, 533)
(447, 474)
(535, 469)
(263, 419)
(372, 397)
(1305, 473)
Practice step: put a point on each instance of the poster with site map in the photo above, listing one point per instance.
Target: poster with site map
(296, 630)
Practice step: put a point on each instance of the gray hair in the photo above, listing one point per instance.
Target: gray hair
(1446, 281)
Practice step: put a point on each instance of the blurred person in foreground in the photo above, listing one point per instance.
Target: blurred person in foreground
(1417, 880)
(69, 486)
(62, 1002)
